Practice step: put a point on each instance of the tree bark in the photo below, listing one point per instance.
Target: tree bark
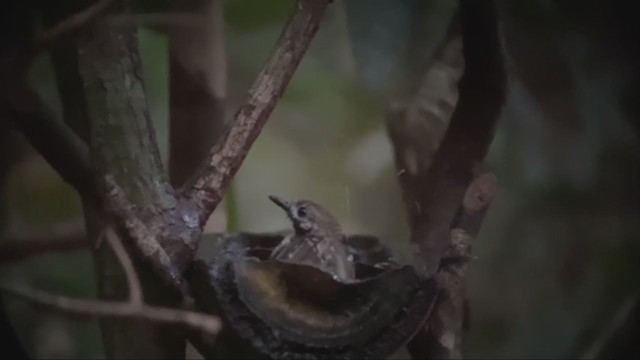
(436, 167)
(123, 144)
(206, 189)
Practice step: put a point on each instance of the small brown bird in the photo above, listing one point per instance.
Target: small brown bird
(318, 240)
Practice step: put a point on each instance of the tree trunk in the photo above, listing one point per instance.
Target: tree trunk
(122, 144)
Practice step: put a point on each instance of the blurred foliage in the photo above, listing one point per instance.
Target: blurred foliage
(251, 15)
(153, 53)
(392, 41)
(557, 251)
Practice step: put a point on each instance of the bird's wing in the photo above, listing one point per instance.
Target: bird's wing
(339, 263)
(294, 249)
(328, 256)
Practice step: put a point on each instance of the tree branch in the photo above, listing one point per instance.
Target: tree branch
(96, 308)
(71, 25)
(206, 189)
(197, 90)
(468, 136)
(145, 241)
(135, 290)
(61, 31)
(60, 147)
(132, 309)
(17, 249)
(55, 141)
(123, 140)
(441, 338)
(445, 207)
(416, 123)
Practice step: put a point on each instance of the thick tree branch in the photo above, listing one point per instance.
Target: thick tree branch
(123, 145)
(123, 140)
(207, 187)
(416, 123)
(445, 210)
(441, 338)
(197, 89)
(468, 136)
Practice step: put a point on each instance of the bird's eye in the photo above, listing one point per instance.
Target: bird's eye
(302, 212)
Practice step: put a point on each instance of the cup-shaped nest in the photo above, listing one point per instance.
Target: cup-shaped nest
(286, 310)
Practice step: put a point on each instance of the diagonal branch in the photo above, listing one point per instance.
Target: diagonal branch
(206, 189)
(470, 132)
(73, 23)
(55, 141)
(63, 30)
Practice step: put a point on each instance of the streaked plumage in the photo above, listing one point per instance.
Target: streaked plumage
(318, 240)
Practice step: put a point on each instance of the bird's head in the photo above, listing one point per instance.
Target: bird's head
(308, 217)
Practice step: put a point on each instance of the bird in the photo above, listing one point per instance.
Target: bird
(317, 241)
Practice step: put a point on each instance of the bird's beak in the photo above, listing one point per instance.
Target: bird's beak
(284, 204)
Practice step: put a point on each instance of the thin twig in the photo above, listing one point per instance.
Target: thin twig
(132, 309)
(135, 290)
(97, 309)
(73, 23)
(16, 249)
(206, 189)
